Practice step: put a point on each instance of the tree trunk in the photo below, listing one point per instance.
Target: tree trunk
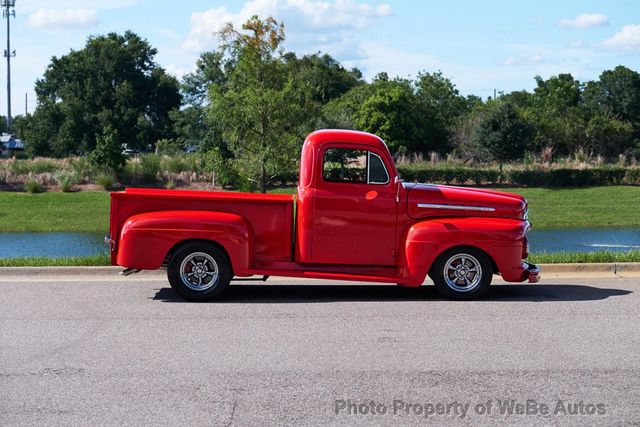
(263, 178)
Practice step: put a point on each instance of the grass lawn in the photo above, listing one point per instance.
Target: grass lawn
(81, 212)
(596, 207)
(583, 257)
(97, 260)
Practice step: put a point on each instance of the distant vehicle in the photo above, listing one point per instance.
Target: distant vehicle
(130, 152)
(351, 219)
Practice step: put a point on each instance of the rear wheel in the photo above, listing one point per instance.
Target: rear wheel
(199, 271)
(462, 273)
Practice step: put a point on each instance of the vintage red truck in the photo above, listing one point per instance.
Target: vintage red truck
(352, 218)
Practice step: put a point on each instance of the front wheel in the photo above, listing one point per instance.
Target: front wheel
(462, 273)
(199, 271)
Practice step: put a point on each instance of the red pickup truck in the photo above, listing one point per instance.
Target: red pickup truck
(352, 218)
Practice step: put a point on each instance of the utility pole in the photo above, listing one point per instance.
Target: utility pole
(9, 11)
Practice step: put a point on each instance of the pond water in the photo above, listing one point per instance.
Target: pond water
(51, 245)
(584, 240)
(83, 244)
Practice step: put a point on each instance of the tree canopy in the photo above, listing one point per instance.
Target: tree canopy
(112, 83)
(248, 104)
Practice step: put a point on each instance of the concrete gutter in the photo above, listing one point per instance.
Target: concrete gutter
(630, 269)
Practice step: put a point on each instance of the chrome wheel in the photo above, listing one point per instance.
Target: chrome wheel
(462, 272)
(199, 271)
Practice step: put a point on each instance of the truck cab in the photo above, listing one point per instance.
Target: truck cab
(352, 218)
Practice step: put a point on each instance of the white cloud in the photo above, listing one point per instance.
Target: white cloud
(69, 18)
(310, 25)
(178, 71)
(627, 38)
(586, 20)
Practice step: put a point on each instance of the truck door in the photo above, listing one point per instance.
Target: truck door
(355, 209)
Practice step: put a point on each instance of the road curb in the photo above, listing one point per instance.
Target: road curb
(71, 271)
(554, 270)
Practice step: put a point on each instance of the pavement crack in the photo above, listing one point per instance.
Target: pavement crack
(233, 412)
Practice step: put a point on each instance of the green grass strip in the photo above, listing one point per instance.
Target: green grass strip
(97, 260)
(541, 258)
(584, 257)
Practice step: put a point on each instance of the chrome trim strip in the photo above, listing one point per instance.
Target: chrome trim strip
(456, 207)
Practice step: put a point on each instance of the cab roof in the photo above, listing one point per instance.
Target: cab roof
(321, 137)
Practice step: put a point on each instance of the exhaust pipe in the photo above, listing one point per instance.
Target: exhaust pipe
(130, 271)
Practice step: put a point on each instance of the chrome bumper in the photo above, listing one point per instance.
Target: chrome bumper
(533, 272)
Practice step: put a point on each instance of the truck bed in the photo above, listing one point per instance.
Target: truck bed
(270, 215)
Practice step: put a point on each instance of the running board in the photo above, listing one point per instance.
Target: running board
(251, 279)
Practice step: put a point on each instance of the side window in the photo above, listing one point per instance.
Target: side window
(377, 172)
(355, 166)
(345, 165)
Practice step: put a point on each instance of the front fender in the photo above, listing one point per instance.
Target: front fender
(501, 238)
(147, 238)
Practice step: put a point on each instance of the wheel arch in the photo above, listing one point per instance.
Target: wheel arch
(500, 239)
(147, 240)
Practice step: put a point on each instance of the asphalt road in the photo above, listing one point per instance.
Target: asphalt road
(129, 351)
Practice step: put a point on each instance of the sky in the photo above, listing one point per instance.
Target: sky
(481, 46)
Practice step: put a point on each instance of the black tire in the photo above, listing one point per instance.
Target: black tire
(454, 276)
(199, 271)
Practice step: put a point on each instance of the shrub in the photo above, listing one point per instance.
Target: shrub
(33, 186)
(107, 182)
(149, 168)
(66, 181)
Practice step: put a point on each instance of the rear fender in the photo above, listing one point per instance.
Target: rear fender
(147, 238)
(500, 238)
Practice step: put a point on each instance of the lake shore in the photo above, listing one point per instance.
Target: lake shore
(597, 207)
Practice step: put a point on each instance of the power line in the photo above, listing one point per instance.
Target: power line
(7, 13)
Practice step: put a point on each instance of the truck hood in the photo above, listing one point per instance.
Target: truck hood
(431, 201)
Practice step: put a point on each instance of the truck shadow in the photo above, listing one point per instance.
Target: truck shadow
(368, 293)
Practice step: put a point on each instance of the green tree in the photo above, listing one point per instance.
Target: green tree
(108, 151)
(112, 82)
(503, 132)
(385, 107)
(442, 106)
(323, 76)
(260, 107)
(616, 92)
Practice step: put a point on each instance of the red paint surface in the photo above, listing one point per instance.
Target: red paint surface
(344, 231)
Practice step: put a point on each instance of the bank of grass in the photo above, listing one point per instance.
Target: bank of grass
(584, 257)
(97, 260)
(596, 207)
(541, 258)
(45, 212)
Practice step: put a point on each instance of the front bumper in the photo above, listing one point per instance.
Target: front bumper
(532, 272)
